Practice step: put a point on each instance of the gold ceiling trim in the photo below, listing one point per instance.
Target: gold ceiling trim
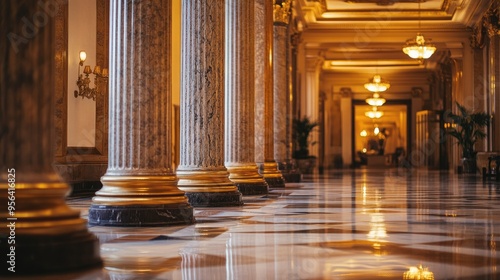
(445, 12)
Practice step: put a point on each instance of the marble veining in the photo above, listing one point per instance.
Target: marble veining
(280, 92)
(202, 84)
(240, 95)
(260, 63)
(139, 97)
(348, 224)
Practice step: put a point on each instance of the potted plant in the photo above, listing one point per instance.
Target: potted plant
(467, 128)
(301, 132)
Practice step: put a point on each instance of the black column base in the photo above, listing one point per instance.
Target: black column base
(49, 254)
(253, 188)
(140, 216)
(289, 171)
(275, 182)
(292, 177)
(214, 199)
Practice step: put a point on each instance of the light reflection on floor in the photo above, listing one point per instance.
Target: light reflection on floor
(344, 225)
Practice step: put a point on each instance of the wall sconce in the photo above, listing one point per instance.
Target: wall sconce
(83, 83)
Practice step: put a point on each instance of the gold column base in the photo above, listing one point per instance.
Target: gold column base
(269, 170)
(38, 209)
(247, 179)
(206, 181)
(39, 232)
(139, 190)
(245, 174)
(130, 200)
(209, 188)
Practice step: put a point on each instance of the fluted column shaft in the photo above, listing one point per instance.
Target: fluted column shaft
(282, 99)
(38, 231)
(201, 171)
(139, 187)
(240, 99)
(280, 92)
(264, 100)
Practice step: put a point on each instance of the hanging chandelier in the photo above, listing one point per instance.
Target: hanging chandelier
(374, 113)
(375, 100)
(418, 48)
(376, 84)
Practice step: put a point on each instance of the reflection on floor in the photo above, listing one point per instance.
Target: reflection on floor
(351, 225)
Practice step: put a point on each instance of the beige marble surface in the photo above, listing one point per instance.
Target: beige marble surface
(361, 224)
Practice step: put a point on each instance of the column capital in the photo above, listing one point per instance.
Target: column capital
(416, 92)
(346, 92)
(281, 11)
(490, 20)
(314, 62)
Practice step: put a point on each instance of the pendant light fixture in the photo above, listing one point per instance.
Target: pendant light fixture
(374, 113)
(418, 48)
(376, 84)
(376, 100)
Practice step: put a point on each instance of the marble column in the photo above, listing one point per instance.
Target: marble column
(264, 100)
(39, 232)
(140, 187)
(282, 102)
(312, 96)
(202, 174)
(240, 99)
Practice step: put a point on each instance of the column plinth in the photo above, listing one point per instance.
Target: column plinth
(140, 187)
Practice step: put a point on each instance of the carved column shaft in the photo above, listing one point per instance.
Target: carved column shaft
(283, 86)
(38, 231)
(201, 172)
(139, 187)
(282, 91)
(240, 99)
(264, 93)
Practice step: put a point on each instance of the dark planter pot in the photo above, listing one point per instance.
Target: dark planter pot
(306, 165)
(469, 165)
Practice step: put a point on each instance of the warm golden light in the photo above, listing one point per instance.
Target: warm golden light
(418, 49)
(421, 273)
(87, 70)
(83, 57)
(97, 70)
(374, 114)
(376, 100)
(83, 82)
(363, 133)
(376, 84)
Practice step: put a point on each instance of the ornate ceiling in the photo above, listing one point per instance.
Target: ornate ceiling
(357, 38)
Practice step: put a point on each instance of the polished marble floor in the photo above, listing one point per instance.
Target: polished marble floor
(363, 224)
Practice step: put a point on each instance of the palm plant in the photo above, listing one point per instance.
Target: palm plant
(302, 129)
(469, 128)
